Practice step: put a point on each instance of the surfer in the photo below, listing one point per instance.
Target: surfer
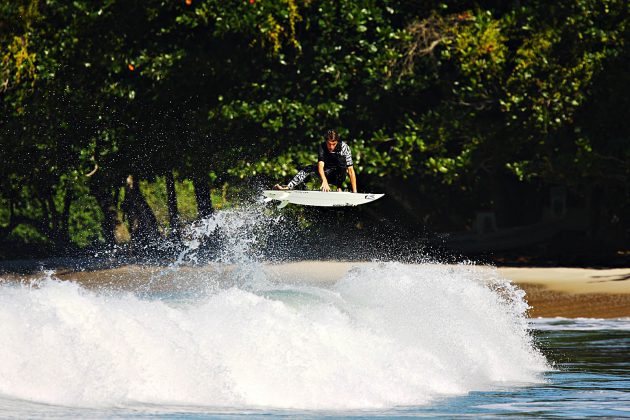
(334, 160)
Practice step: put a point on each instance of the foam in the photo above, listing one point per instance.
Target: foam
(383, 335)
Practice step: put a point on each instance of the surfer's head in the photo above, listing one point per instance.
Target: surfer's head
(332, 139)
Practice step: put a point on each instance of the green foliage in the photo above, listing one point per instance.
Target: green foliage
(85, 221)
(155, 192)
(186, 200)
(26, 234)
(454, 96)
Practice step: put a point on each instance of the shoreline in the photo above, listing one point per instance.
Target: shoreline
(573, 292)
(550, 291)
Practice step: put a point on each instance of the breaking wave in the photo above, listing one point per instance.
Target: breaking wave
(377, 335)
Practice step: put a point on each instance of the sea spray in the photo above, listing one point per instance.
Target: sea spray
(383, 335)
(232, 242)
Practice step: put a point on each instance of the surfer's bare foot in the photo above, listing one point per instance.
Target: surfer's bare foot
(338, 189)
(280, 187)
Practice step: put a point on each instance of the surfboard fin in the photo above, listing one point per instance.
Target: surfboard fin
(283, 204)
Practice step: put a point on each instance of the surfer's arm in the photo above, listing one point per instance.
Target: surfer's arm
(322, 175)
(353, 178)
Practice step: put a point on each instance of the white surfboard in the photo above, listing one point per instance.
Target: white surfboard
(320, 198)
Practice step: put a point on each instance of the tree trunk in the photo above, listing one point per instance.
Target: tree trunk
(143, 226)
(50, 219)
(108, 203)
(6, 230)
(173, 212)
(64, 232)
(202, 195)
(50, 225)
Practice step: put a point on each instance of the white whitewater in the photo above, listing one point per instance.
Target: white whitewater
(382, 335)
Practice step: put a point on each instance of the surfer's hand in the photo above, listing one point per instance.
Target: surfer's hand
(325, 187)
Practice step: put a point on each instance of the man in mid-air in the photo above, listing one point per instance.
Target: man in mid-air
(334, 160)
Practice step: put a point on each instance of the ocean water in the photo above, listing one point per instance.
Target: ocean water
(384, 339)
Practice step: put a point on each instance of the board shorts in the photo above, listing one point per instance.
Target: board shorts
(335, 175)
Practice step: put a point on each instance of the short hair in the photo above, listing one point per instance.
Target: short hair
(331, 135)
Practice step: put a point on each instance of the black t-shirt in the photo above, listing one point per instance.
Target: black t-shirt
(341, 157)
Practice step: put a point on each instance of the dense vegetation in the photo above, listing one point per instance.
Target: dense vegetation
(128, 116)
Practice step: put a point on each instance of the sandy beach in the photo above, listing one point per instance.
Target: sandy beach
(574, 292)
(550, 292)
